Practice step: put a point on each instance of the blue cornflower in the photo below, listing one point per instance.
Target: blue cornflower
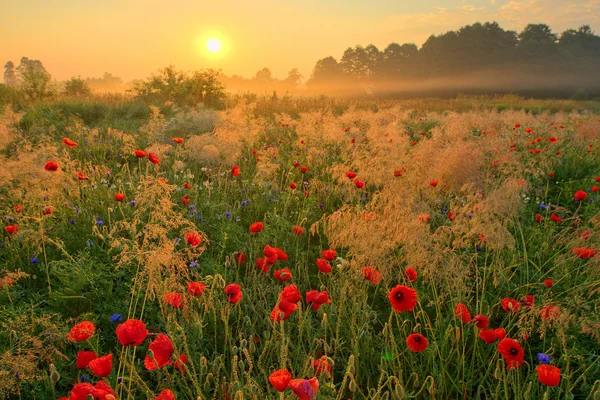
(133, 202)
(90, 243)
(84, 378)
(99, 222)
(116, 318)
(543, 206)
(72, 221)
(34, 260)
(479, 248)
(194, 264)
(543, 358)
(228, 214)
(321, 206)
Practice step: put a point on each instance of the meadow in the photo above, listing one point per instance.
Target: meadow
(300, 248)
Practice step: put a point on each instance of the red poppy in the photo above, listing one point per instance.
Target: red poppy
(283, 310)
(179, 364)
(174, 299)
(580, 195)
(297, 230)
(166, 395)
(350, 175)
(451, 215)
(598, 179)
(528, 300)
(553, 139)
(462, 312)
(283, 274)
(583, 252)
(84, 358)
(548, 283)
(101, 366)
(488, 335)
(132, 332)
(555, 218)
(510, 305)
(101, 391)
(417, 342)
(81, 176)
(305, 389)
(303, 169)
(281, 255)
(359, 184)
(529, 130)
(423, 217)
(512, 352)
(69, 143)
(329, 255)
(548, 375)
(193, 239)
(594, 189)
(291, 294)
(47, 211)
(162, 348)
(178, 140)
(397, 172)
(500, 333)
(263, 264)
(51, 166)
(371, 274)
(322, 366)
(235, 170)
(140, 154)
(19, 208)
(549, 312)
(233, 292)
(317, 299)
(82, 331)
(119, 197)
(240, 257)
(256, 227)
(411, 274)
(186, 185)
(433, 183)
(323, 266)
(185, 200)
(153, 159)
(403, 298)
(481, 321)
(517, 125)
(11, 229)
(296, 164)
(196, 288)
(293, 186)
(280, 379)
(538, 218)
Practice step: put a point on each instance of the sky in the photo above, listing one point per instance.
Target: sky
(133, 38)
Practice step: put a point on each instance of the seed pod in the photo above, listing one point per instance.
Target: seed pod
(352, 386)
(242, 365)
(234, 350)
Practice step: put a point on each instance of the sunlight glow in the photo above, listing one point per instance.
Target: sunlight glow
(213, 45)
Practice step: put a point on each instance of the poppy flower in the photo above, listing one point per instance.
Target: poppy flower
(500, 333)
(240, 257)
(463, 313)
(162, 348)
(371, 274)
(84, 358)
(196, 288)
(481, 321)
(548, 375)
(402, 298)
(488, 335)
(263, 264)
(583, 252)
(451, 215)
(140, 154)
(433, 183)
(256, 227)
(82, 331)
(411, 274)
(165, 395)
(179, 364)
(323, 266)
(553, 139)
(538, 218)
(359, 184)
(548, 283)
(47, 211)
(101, 366)
(293, 186)
(233, 292)
(297, 230)
(81, 176)
(417, 342)
(11, 229)
(329, 255)
(291, 294)
(284, 307)
(549, 312)
(510, 305)
(69, 143)
(305, 389)
(174, 299)
(185, 200)
(528, 300)
(283, 274)
(186, 185)
(235, 170)
(193, 239)
(580, 195)
(529, 130)
(555, 218)
(322, 365)
(51, 166)
(81, 391)
(19, 208)
(512, 352)
(296, 164)
(350, 175)
(517, 125)
(119, 197)
(594, 189)
(132, 332)
(178, 140)
(280, 379)
(281, 255)
(303, 169)
(397, 172)
(317, 299)
(153, 159)
(424, 217)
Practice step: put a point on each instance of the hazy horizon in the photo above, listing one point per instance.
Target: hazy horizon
(87, 39)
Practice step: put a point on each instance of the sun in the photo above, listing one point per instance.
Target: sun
(213, 45)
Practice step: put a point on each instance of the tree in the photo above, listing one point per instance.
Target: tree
(264, 76)
(34, 79)
(294, 79)
(77, 87)
(10, 78)
(538, 44)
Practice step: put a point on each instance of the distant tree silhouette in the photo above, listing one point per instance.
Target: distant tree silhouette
(10, 78)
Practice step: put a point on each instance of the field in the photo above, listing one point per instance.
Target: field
(307, 248)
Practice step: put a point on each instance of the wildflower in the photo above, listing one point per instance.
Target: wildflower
(116, 318)
(193, 239)
(555, 218)
(510, 305)
(101, 366)
(178, 140)
(153, 159)
(283, 274)
(528, 300)
(433, 183)
(69, 143)
(512, 352)
(583, 252)
(119, 197)
(500, 333)
(233, 292)
(549, 312)
(11, 229)
(451, 215)
(303, 169)
(185, 200)
(402, 298)
(84, 358)
(166, 395)
(548, 283)
(83, 391)
(297, 230)
(293, 186)
(481, 321)
(283, 310)
(19, 208)
(179, 364)
(81, 176)
(82, 331)
(305, 389)
(132, 332)
(240, 257)
(329, 255)
(488, 335)
(371, 274)
(317, 299)
(538, 218)
(162, 348)
(196, 288)
(359, 184)
(174, 299)
(580, 195)
(548, 375)
(462, 312)
(417, 342)
(235, 170)
(48, 211)
(543, 358)
(291, 294)
(280, 379)
(350, 175)
(256, 227)
(323, 266)
(51, 166)
(411, 274)
(321, 365)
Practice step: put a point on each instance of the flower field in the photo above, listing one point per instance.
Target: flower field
(365, 250)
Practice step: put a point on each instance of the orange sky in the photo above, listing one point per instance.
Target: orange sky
(133, 38)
